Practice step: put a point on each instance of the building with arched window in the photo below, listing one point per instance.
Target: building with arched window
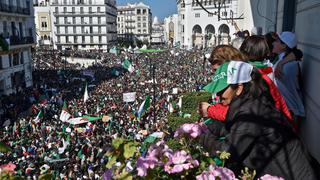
(198, 28)
(171, 30)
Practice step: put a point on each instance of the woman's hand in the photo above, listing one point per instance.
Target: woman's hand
(203, 109)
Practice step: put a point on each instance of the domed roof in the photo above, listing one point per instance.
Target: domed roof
(155, 21)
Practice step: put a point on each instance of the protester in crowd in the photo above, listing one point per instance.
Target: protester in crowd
(290, 82)
(256, 134)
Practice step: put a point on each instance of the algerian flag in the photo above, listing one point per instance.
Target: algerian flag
(127, 65)
(61, 149)
(39, 116)
(78, 120)
(233, 72)
(65, 115)
(144, 106)
(86, 95)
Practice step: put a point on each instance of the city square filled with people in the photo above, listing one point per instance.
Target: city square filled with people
(261, 105)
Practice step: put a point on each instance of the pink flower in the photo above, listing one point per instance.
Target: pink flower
(215, 171)
(269, 177)
(143, 164)
(108, 174)
(194, 130)
(180, 161)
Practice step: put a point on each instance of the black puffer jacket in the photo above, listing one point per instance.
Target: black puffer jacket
(258, 138)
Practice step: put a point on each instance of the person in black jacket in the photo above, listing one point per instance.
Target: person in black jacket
(256, 134)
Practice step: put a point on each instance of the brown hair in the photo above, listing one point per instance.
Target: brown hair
(224, 53)
(255, 48)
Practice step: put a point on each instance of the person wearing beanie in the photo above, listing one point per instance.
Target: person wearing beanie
(289, 83)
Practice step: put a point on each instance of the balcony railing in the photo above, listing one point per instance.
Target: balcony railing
(16, 40)
(14, 9)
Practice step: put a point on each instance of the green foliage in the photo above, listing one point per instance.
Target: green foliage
(247, 174)
(190, 103)
(4, 148)
(174, 144)
(121, 152)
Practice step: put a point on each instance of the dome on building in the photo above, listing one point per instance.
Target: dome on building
(155, 21)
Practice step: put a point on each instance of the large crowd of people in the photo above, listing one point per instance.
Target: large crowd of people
(258, 109)
(77, 151)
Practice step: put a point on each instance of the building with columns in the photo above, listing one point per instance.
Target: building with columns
(134, 21)
(171, 30)
(83, 24)
(17, 34)
(197, 28)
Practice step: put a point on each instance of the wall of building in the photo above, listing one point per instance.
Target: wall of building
(305, 19)
(307, 30)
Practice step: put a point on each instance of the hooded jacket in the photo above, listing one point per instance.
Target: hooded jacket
(259, 137)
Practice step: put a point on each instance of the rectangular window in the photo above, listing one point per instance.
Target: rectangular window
(81, 9)
(197, 15)
(21, 58)
(98, 9)
(139, 25)
(82, 39)
(5, 29)
(67, 39)
(15, 59)
(100, 39)
(65, 9)
(144, 18)
(10, 60)
(44, 24)
(1, 67)
(138, 11)
(144, 25)
(144, 11)
(90, 9)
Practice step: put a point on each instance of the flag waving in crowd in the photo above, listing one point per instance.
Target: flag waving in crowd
(127, 65)
(86, 95)
(65, 115)
(144, 106)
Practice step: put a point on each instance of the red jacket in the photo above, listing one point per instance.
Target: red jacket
(219, 112)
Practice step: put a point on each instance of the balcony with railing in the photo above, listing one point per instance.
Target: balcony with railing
(16, 40)
(14, 9)
(79, 13)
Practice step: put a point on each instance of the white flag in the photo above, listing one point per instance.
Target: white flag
(86, 95)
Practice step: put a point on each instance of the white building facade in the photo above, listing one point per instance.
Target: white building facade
(43, 22)
(84, 24)
(157, 32)
(171, 33)
(17, 34)
(134, 21)
(197, 28)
